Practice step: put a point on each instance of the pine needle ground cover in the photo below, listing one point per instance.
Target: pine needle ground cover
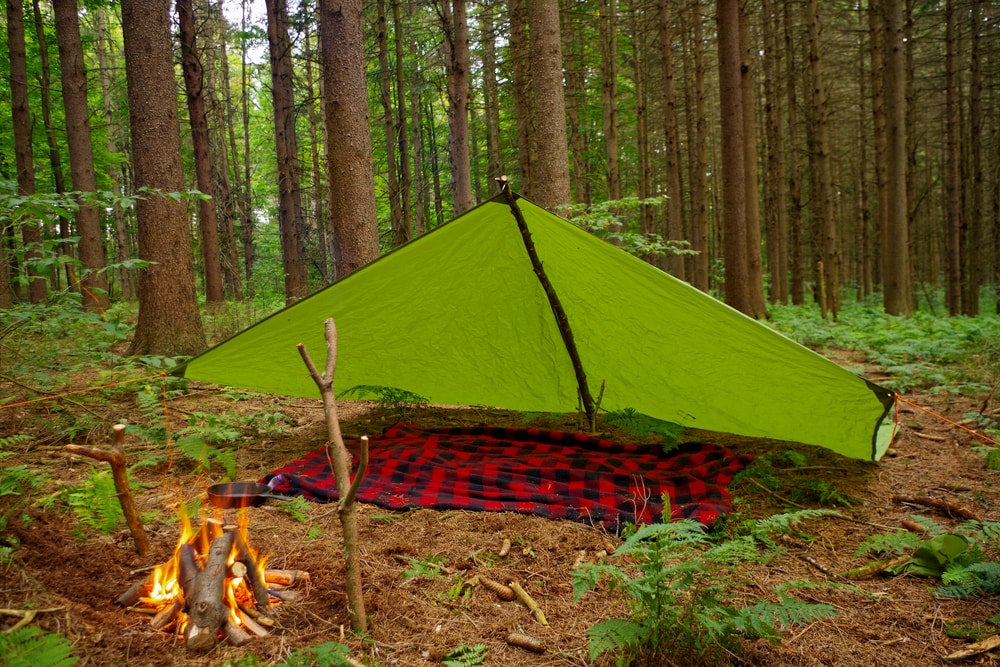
(420, 565)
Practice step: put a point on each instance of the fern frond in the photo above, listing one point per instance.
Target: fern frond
(466, 656)
(983, 531)
(616, 635)
(763, 619)
(900, 542)
(14, 439)
(30, 647)
(784, 524)
(930, 525)
(96, 502)
(975, 580)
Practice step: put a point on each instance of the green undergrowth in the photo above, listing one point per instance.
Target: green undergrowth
(923, 352)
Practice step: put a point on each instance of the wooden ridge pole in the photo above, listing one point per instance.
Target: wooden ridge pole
(562, 322)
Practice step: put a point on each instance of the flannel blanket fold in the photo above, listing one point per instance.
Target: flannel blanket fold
(552, 474)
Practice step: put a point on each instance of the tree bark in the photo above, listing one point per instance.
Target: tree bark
(94, 282)
(974, 257)
(795, 241)
(115, 134)
(952, 177)
(733, 158)
(755, 268)
(776, 220)
(524, 103)
(168, 322)
(696, 147)
(897, 279)
(24, 159)
(389, 128)
(491, 97)
(550, 178)
(194, 84)
(286, 147)
(671, 138)
(608, 39)
(456, 48)
(405, 231)
(350, 170)
(574, 64)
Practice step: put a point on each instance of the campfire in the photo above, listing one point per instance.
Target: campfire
(215, 585)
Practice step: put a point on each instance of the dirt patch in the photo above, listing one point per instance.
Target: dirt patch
(888, 621)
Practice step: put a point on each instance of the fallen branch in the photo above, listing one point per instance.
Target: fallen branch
(978, 648)
(529, 602)
(26, 616)
(874, 568)
(116, 457)
(938, 504)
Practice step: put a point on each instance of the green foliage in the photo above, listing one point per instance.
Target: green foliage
(298, 508)
(199, 439)
(429, 567)
(821, 492)
(30, 647)
(466, 656)
(391, 398)
(900, 542)
(641, 425)
(922, 351)
(617, 221)
(957, 557)
(972, 580)
(682, 596)
(95, 503)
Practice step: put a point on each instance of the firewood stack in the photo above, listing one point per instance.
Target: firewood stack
(213, 586)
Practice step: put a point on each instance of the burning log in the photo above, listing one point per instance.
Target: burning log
(213, 587)
(206, 597)
(285, 577)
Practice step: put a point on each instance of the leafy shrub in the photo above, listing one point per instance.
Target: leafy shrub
(30, 647)
(682, 592)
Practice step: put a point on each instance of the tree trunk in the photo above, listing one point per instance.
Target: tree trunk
(550, 177)
(671, 139)
(456, 52)
(734, 181)
(755, 268)
(223, 112)
(246, 200)
(319, 230)
(94, 282)
(897, 279)
(608, 39)
(169, 322)
(952, 178)
(24, 159)
(194, 85)
(574, 63)
(115, 133)
(825, 220)
(286, 147)
(405, 232)
(350, 170)
(795, 241)
(974, 257)
(388, 127)
(775, 201)
(697, 149)
(491, 97)
(524, 103)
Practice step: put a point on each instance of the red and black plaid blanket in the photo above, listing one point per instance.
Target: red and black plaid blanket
(548, 473)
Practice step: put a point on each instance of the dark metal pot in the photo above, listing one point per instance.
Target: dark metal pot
(241, 494)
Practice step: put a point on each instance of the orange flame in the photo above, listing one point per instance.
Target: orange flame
(165, 587)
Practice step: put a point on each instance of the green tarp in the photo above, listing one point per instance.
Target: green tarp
(459, 317)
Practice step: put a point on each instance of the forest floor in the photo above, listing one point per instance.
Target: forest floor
(882, 620)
